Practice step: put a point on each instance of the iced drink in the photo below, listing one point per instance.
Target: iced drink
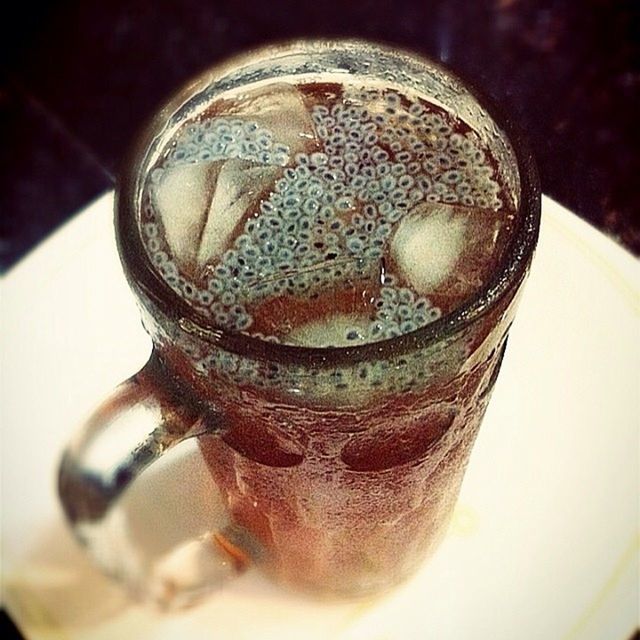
(332, 213)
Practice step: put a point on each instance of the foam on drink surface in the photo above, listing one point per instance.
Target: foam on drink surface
(324, 214)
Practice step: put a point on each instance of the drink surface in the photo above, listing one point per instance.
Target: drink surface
(325, 214)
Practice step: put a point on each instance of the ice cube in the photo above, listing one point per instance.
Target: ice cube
(238, 186)
(182, 198)
(281, 109)
(428, 243)
(336, 330)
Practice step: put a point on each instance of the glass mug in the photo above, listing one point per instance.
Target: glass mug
(338, 467)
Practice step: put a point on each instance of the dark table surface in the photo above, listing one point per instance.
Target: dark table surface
(78, 78)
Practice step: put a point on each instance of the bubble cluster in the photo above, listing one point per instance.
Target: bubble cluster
(327, 219)
(398, 374)
(223, 139)
(399, 311)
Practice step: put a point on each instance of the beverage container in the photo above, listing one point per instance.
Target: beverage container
(327, 241)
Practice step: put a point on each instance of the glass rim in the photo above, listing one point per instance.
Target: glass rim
(144, 279)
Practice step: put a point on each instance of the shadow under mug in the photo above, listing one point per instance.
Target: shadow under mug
(337, 468)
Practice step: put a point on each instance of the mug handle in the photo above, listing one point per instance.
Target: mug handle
(145, 416)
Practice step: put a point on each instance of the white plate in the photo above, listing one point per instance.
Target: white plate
(544, 542)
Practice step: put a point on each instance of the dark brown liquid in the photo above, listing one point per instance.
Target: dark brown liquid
(346, 481)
